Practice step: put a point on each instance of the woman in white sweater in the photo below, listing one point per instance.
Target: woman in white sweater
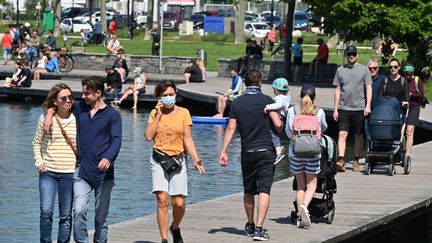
(55, 158)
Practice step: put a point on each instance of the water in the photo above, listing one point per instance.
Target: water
(131, 196)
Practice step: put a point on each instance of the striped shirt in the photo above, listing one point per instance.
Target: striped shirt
(51, 149)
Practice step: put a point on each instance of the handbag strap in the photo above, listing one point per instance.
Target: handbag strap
(68, 141)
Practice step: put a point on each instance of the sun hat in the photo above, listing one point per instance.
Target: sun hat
(280, 84)
(137, 69)
(27, 24)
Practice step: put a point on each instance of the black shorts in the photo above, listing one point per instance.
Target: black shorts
(258, 171)
(141, 91)
(298, 61)
(351, 119)
(413, 115)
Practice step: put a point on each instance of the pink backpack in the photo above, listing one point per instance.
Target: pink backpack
(306, 134)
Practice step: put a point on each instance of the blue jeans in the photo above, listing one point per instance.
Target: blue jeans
(32, 54)
(49, 183)
(102, 192)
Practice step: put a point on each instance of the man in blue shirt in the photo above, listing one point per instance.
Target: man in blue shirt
(99, 134)
(97, 32)
(376, 79)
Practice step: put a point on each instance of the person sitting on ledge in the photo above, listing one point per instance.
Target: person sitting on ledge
(193, 72)
(235, 91)
(21, 77)
(138, 88)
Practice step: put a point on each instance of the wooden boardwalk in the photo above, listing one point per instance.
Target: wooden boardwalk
(362, 202)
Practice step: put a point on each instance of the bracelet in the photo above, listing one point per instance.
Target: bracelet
(199, 161)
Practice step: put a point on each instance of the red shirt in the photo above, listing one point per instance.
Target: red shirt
(323, 53)
(7, 41)
(112, 27)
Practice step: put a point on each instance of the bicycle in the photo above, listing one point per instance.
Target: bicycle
(65, 60)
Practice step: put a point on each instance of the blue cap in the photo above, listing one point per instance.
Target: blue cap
(280, 84)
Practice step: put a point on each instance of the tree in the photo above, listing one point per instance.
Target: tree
(240, 6)
(407, 22)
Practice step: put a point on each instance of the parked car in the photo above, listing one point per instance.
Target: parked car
(207, 13)
(72, 12)
(256, 30)
(171, 20)
(277, 20)
(255, 16)
(68, 25)
(141, 18)
(301, 20)
(95, 15)
(198, 21)
(227, 13)
(121, 19)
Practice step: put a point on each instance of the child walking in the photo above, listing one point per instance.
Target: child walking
(282, 103)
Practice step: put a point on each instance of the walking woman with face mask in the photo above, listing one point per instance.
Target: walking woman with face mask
(170, 128)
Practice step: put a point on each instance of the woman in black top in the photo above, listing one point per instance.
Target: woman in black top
(394, 85)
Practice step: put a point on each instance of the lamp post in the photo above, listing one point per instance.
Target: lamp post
(162, 7)
(17, 13)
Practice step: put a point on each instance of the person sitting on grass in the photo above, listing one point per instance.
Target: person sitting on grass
(235, 91)
(138, 88)
(114, 46)
(52, 66)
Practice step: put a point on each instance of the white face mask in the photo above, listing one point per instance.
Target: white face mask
(168, 101)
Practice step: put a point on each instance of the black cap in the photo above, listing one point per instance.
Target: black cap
(351, 49)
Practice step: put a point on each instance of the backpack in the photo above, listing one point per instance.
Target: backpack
(306, 134)
(423, 100)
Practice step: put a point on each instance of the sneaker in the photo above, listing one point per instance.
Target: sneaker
(260, 235)
(356, 166)
(300, 224)
(177, 238)
(341, 165)
(164, 241)
(304, 215)
(279, 157)
(250, 229)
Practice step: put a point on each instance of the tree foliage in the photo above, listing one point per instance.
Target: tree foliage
(405, 21)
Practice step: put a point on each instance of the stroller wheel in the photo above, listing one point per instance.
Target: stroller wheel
(391, 170)
(367, 169)
(330, 216)
(407, 164)
(293, 216)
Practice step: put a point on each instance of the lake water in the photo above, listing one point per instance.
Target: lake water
(131, 196)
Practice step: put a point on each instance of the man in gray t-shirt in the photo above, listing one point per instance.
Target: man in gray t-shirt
(351, 105)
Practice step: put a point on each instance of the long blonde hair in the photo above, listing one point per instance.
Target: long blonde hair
(307, 105)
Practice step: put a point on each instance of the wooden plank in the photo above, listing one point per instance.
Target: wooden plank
(362, 202)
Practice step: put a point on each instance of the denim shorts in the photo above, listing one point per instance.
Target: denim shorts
(174, 183)
(7, 52)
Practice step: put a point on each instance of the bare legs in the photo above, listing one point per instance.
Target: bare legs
(306, 186)
(221, 105)
(37, 73)
(178, 203)
(342, 143)
(358, 144)
(263, 205)
(409, 139)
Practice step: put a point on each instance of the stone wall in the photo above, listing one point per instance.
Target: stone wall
(150, 64)
(275, 69)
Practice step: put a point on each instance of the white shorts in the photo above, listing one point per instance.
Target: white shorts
(174, 183)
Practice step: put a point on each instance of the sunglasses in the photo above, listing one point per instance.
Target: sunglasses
(354, 54)
(393, 67)
(66, 97)
(373, 68)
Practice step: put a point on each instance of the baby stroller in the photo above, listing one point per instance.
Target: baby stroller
(322, 209)
(385, 133)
